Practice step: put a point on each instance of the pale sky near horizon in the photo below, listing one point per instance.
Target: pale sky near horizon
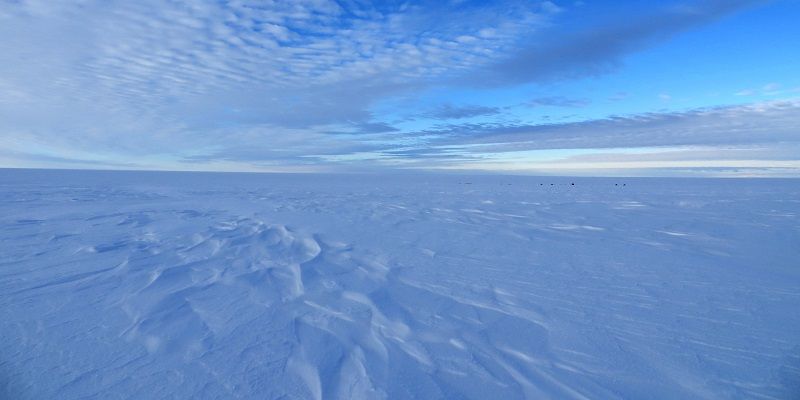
(669, 88)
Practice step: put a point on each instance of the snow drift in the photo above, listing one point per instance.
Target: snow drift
(177, 285)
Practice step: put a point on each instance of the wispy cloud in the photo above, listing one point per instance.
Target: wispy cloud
(250, 84)
(753, 135)
(448, 111)
(150, 76)
(558, 101)
(600, 49)
(769, 89)
(775, 121)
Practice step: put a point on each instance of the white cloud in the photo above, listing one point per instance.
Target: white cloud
(292, 82)
(754, 135)
(774, 121)
(151, 76)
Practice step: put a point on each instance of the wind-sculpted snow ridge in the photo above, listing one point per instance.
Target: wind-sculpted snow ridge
(302, 316)
(278, 287)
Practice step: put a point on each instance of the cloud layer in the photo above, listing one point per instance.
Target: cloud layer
(255, 84)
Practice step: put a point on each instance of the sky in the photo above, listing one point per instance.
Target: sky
(589, 88)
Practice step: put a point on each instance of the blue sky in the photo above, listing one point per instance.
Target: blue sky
(673, 88)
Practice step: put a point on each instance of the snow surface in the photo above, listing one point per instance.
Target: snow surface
(196, 285)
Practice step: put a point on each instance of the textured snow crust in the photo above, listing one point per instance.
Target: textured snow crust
(151, 285)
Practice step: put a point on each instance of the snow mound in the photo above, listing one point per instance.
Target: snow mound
(141, 285)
